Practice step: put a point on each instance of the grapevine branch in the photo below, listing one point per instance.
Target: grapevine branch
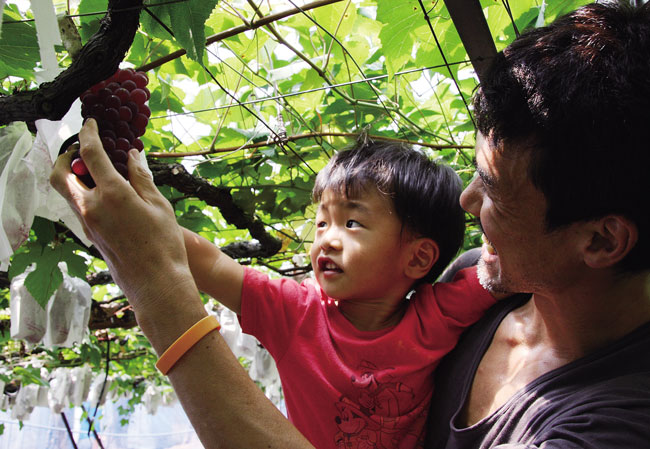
(97, 60)
(175, 175)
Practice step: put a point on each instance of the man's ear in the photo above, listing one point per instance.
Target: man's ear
(613, 236)
(424, 253)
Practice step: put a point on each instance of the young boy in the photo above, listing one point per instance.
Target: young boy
(356, 352)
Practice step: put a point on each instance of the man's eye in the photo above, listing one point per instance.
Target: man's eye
(352, 224)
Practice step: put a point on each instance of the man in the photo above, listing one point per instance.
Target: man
(562, 159)
(577, 245)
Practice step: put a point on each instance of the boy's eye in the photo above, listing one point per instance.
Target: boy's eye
(321, 224)
(352, 224)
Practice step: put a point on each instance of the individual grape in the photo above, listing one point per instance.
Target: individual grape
(140, 80)
(108, 144)
(138, 96)
(137, 132)
(90, 99)
(104, 94)
(121, 128)
(144, 109)
(122, 94)
(125, 74)
(108, 133)
(137, 144)
(105, 125)
(79, 167)
(97, 87)
(97, 110)
(129, 85)
(140, 121)
(113, 101)
(119, 156)
(111, 115)
(134, 107)
(129, 135)
(126, 113)
(122, 144)
(113, 86)
(84, 95)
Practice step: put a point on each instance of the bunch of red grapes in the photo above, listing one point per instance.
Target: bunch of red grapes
(118, 105)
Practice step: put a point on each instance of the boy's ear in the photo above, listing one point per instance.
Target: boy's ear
(424, 253)
(612, 238)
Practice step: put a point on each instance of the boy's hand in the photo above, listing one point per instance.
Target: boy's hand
(131, 223)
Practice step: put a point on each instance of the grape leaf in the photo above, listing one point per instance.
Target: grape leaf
(46, 278)
(89, 21)
(44, 230)
(18, 46)
(399, 19)
(188, 24)
(196, 220)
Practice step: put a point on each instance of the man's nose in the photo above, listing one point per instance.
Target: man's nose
(471, 198)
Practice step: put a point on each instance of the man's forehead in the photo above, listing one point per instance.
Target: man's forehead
(500, 168)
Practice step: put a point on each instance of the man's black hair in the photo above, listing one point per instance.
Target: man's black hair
(425, 194)
(575, 96)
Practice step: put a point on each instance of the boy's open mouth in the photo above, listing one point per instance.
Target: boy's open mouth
(326, 264)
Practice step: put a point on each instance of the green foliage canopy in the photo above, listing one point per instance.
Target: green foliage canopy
(320, 73)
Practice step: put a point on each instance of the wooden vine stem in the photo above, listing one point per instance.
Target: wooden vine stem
(98, 60)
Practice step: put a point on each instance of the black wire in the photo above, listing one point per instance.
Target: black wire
(444, 58)
(293, 94)
(67, 427)
(160, 22)
(289, 110)
(353, 61)
(506, 5)
(277, 138)
(101, 393)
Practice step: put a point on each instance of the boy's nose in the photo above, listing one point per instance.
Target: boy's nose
(331, 241)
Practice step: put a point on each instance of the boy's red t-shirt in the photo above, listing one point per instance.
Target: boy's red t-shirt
(346, 388)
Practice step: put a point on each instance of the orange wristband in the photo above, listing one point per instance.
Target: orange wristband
(183, 343)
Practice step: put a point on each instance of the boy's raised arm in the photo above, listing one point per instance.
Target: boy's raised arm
(214, 272)
(134, 228)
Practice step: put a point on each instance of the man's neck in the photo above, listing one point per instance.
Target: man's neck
(590, 314)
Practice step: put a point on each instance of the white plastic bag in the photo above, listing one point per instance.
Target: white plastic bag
(17, 189)
(45, 150)
(28, 319)
(241, 344)
(25, 402)
(80, 379)
(65, 320)
(59, 395)
(41, 400)
(96, 395)
(151, 399)
(68, 312)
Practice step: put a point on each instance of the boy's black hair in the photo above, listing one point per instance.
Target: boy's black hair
(575, 97)
(425, 194)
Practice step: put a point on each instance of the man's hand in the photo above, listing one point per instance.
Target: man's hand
(131, 223)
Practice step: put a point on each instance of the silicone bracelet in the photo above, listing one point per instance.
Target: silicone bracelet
(183, 343)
